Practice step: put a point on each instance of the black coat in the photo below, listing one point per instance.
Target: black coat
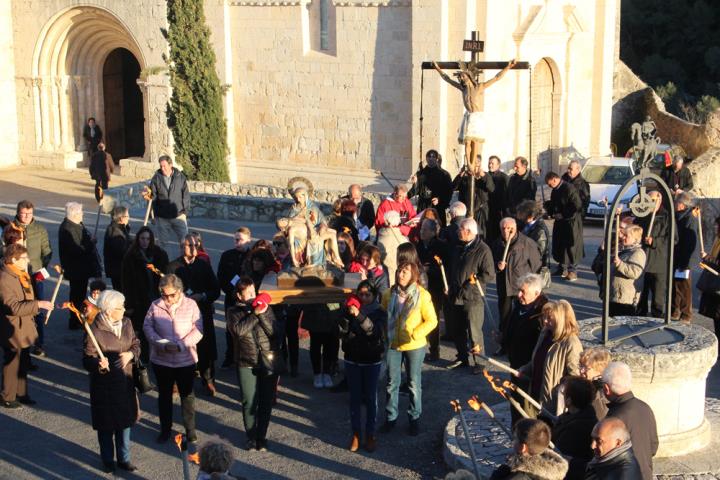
(687, 239)
(567, 235)
(640, 422)
(523, 329)
(140, 285)
(113, 400)
(523, 257)
(230, 265)
(117, 242)
(497, 205)
(363, 337)
(473, 258)
(432, 183)
(681, 180)
(78, 255)
(450, 233)
(583, 188)
(483, 187)
(250, 331)
(520, 188)
(622, 467)
(427, 253)
(571, 435)
(345, 223)
(657, 252)
(540, 233)
(198, 277)
(365, 212)
(173, 201)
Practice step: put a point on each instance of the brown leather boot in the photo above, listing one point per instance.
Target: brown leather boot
(370, 443)
(355, 442)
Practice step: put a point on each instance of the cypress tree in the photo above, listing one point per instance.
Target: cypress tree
(195, 111)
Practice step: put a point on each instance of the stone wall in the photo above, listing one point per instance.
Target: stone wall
(634, 100)
(231, 201)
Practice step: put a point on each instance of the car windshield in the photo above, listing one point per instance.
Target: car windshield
(612, 175)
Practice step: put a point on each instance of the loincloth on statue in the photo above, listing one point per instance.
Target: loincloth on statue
(471, 127)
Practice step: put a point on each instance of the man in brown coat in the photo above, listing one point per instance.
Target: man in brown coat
(101, 168)
(17, 325)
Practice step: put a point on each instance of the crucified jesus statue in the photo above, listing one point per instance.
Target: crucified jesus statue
(471, 129)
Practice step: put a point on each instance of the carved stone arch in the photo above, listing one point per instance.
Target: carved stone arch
(68, 62)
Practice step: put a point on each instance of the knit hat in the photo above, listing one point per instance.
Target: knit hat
(353, 301)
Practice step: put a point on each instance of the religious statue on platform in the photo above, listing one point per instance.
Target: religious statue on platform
(471, 129)
(313, 245)
(645, 142)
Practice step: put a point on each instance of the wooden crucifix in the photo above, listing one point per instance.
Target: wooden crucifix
(471, 130)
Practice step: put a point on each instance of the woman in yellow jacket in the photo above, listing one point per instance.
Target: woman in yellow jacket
(411, 317)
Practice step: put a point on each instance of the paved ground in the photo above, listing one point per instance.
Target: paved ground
(309, 429)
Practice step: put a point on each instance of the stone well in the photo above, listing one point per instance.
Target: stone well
(670, 369)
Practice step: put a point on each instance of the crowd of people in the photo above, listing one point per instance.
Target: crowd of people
(419, 263)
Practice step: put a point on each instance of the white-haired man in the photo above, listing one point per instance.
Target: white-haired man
(614, 457)
(79, 258)
(471, 270)
(636, 414)
(522, 257)
(458, 211)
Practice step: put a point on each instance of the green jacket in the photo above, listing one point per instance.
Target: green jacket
(37, 244)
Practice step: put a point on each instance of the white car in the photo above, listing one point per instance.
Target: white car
(606, 176)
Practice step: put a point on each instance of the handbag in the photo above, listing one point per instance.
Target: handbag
(708, 283)
(269, 362)
(141, 377)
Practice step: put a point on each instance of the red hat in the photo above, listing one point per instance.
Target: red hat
(353, 301)
(262, 300)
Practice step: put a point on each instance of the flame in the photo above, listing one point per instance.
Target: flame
(154, 269)
(91, 311)
(494, 386)
(438, 260)
(194, 458)
(473, 279)
(71, 307)
(179, 441)
(455, 405)
(58, 269)
(474, 403)
(346, 230)
(696, 212)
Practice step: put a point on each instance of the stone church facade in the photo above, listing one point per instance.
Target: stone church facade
(330, 89)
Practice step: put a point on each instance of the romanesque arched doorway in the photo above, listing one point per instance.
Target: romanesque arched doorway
(124, 132)
(68, 79)
(545, 114)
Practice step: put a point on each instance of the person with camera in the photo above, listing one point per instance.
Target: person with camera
(113, 400)
(363, 341)
(433, 186)
(254, 332)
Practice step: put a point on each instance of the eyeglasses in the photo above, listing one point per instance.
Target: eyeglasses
(168, 295)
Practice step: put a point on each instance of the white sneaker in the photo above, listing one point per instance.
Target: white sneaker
(327, 380)
(318, 382)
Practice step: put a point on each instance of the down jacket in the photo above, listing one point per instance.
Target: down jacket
(626, 276)
(248, 330)
(183, 327)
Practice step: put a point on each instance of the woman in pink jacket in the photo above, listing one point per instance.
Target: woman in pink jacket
(173, 327)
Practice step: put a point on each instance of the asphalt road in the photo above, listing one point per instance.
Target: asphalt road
(310, 428)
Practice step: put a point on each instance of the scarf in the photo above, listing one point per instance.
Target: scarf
(115, 328)
(612, 454)
(23, 276)
(399, 310)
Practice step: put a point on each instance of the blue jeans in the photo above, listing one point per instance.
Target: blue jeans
(122, 444)
(362, 381)
(40, 317)
(413, 364)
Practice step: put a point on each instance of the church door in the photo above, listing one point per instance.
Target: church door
(543, 116)
(124, 120)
